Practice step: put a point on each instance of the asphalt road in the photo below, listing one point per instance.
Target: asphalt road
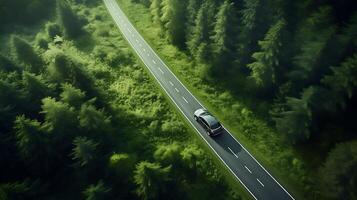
(252, 175)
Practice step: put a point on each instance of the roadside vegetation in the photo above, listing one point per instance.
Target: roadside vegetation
(281, 75)
(80, 118)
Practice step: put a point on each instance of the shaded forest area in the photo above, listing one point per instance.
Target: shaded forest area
(285, 72)
(81, 119)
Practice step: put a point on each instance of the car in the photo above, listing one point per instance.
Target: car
(208, 122)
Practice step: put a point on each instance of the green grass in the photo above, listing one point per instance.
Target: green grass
(190, 74)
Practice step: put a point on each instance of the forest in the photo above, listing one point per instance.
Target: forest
(80, 117)
(282, 74)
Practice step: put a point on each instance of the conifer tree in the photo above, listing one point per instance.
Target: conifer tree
(267, 59)
(174, 20)
(26, 54)
(223, 38)
(69, 21)
(150, 179)
(155, 9)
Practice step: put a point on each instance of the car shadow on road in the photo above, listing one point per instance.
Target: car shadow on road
(225, 140)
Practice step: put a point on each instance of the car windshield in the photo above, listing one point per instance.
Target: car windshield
(215, 125)
(212, 122)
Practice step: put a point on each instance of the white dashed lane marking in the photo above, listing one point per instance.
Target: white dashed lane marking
(247, 169)
(185, 99)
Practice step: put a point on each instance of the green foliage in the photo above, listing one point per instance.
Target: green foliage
(72, 96)
(26, 54)
(338, 175)
(53, 29)
(267, 60)
(84, 151)
(199, 35)
(69, 21)
(93, 120)
(343, 81)
(30, 138)
(223, 34)
(59, 116)
(150, 179)
(97, 192)
(168, 154)
(173, 18)
(6, 64)
(155, 8)
(294, 123)
(315, 37)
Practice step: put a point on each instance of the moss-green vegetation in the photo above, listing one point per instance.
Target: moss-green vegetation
(271, 76)
(80, 118)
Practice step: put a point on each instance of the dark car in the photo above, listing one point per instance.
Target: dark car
(208, 122)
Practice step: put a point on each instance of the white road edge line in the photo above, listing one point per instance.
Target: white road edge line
(171, 83)
(167, 93)
(260, 182)
(247, 169)
(185, 99)
(177, 90)
(162, 72)
(233, 152)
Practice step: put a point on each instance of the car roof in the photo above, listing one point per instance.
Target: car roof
(209, 119)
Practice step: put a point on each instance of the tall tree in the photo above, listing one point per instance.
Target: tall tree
(198, 40)
(341, 183)
(97, 192)
(69, 21)
(60, 118)
(73, 96)
(25, 53)
(32, 143)
(314, 39)
(294, 121)
(84, 150)
(267, 60)
(224, 37)
(255, 19)
(150, 179)
(174, 19)
(155, 9)
(343, 80)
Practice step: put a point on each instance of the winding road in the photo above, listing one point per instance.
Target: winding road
(248, 171)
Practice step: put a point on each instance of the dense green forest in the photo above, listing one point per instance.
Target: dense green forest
(81, 119)
(281, 74)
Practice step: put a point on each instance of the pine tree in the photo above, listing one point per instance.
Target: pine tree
(69, 21)
(255, 18)
(73, 96)
(33, 144)
(97, 192)
(84, 151)
(150, 179)
(223, 38)
(198, 41)
(26, 54)
(174, 20)
(155, 9)
(343, 80)
(294, 122)
(341, 183)
(315, 37)
(267, 60)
